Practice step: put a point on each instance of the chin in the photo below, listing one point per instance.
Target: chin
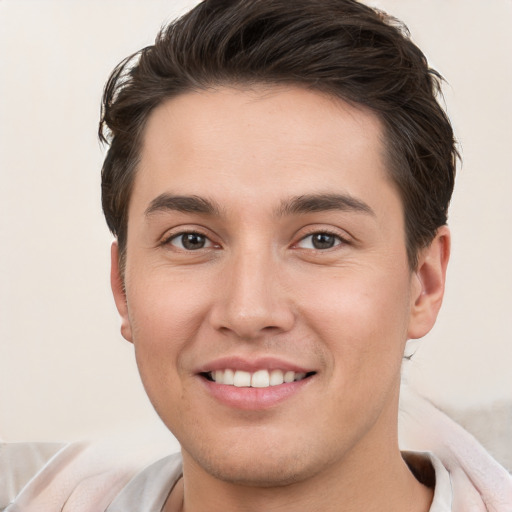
(258, 463)
(257, 473)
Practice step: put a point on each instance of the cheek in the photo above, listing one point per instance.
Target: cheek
(165, 318)
(163, 306)
(362, 316)
(165, 315)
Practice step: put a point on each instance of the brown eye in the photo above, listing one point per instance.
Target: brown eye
(190, 241)
(323, 240)
(320, 241)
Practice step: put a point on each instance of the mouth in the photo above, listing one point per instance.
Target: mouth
(262, 378)
(257, 384)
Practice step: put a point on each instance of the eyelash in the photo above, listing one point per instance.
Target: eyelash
(176, 236)
(339, 240)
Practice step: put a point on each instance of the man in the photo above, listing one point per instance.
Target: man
(278, 181)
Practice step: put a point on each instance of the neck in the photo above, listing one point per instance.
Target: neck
(404, 494)
(372, 477)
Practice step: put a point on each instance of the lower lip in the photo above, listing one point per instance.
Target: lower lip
(252, 399)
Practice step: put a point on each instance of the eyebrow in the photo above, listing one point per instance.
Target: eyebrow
(185, 204)
(303, 204)
(311, 203)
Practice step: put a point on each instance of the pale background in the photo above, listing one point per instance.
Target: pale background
(65, 372)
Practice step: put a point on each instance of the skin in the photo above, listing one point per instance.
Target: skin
(259, 287)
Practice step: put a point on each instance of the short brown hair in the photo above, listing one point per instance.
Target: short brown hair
(339, 47)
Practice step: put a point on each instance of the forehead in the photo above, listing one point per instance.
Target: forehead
(233, 142)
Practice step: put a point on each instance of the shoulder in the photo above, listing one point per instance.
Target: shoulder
(429, 471)
(472, 478)
(19, 463)
(77, 476)
(149, 489)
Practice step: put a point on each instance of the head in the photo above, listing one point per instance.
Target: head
(341, 48)
(278, 181)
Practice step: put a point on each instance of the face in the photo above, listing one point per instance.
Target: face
(268, 293)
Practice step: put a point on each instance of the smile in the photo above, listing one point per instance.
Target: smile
(259, 379)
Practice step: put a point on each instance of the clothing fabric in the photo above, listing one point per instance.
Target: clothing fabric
(103, 477)
(479, 483)
(59, 487)
(68, 483)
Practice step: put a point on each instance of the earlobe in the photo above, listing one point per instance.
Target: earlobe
(428, 289)
(118, 290)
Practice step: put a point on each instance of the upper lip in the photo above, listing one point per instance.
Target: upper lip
(252, 365)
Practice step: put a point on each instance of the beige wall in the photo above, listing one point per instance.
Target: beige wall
(65, 372)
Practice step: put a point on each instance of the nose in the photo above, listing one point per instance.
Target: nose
(252, 301)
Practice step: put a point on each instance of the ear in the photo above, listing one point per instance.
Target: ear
(428, 284)
(118, 290)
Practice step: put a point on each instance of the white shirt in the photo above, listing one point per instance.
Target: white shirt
(76, 478)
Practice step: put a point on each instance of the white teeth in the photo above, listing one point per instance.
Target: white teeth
(242, 379)
(258, 379)
(289, 376)
(276, 377)
(229, 377)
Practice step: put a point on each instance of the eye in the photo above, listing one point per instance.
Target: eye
(320, 241)
(190, 241)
